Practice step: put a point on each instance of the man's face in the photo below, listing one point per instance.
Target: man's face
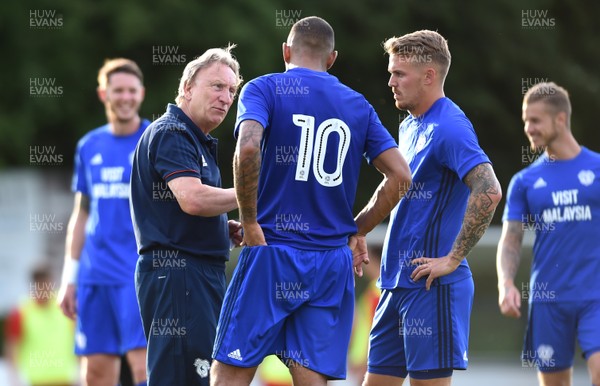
(123, 96)
(406, 82)
(540, 125)
(210, 94)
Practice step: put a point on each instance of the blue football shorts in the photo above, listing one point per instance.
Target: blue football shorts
(108, 320)
(296, 304)
(421, 333)
(552, 330)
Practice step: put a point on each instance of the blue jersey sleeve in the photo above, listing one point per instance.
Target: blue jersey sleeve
(458, 148)
(378, 138)
(254, 103)
(174, 155)
(516, 200)
(79, 182)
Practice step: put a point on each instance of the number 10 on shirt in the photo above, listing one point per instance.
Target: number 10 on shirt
(308, 148)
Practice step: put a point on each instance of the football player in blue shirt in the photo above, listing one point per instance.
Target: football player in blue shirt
(559, 197)
(301, 138)
(179, 212)
(421, 324)
(100, 252)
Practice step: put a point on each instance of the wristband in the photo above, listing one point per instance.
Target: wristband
(70, 271)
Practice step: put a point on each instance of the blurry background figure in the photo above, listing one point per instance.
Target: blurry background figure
(272, 372)
(39, 338)
(367, 299)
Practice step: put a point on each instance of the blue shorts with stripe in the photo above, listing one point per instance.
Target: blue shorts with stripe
(108, 320)
(415, 330)
(296, 304)
(552, 330)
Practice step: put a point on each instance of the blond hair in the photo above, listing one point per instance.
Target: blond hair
(420, 47)
(554, 96)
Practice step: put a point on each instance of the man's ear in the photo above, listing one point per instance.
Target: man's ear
(101, 94)
(286, 51)
(331, 59)
(187, 87)
(561, 119)
(430, 75)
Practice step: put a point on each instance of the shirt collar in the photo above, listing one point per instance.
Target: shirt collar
(176, 110)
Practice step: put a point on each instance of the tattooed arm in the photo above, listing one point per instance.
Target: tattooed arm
(485, 196)
(507, 264)
(483, 199)
(395, 183)
(246, 169)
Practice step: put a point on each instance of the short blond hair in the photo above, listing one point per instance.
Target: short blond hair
(213, 55)
(554, 96)
(429, 45)
(113, 66)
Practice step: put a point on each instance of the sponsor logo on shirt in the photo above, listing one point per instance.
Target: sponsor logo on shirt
(567, 208)
(112, 185)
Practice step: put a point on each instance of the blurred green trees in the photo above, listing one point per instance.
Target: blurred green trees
(498, 49)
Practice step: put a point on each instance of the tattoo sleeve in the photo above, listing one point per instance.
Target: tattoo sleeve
(508, 257)
(484, 197)
(246, 168)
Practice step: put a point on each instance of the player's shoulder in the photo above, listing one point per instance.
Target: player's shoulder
(591, 155)
(533, 174)
(266, 79)
(450, 118)
(94, 135)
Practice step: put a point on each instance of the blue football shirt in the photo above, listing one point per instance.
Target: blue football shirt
(317, 131)
(560, 200)
(102, 172)
(441, 148)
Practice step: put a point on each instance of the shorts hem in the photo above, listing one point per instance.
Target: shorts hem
(553, 369)
(586, 355)
(229, 362)
(135, 347)
(393, 371)
(431, 373)
(98, 352)
(249, 365)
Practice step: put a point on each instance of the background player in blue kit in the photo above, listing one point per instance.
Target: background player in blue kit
(292, 293)
(421, 327)
(100, 250)
(559, 196)
(180, 218)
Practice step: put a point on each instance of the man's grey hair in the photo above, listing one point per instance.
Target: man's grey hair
(213, 55)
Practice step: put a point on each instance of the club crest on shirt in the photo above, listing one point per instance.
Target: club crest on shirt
(421, 141)
(202, 367)
(586, 177)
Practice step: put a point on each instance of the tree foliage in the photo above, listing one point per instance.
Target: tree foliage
(494, 56)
